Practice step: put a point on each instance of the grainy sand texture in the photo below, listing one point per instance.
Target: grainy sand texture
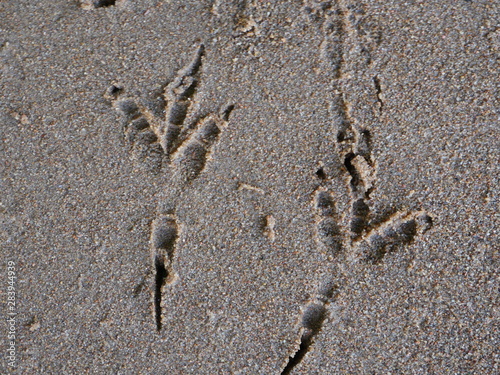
(250, 187)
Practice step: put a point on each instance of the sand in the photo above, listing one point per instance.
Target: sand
(250, 187)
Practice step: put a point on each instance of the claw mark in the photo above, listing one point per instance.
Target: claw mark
(160, 276)
(312, 320)
(164, 235)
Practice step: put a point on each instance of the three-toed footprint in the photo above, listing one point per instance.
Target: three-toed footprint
(181, 141)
